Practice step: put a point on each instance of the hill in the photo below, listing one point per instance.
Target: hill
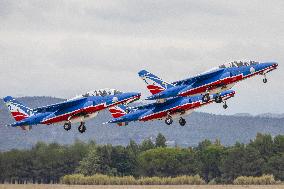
(229, 129)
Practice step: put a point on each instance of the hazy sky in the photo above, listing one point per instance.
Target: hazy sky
(63, 48)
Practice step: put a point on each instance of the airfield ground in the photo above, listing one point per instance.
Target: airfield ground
(7, 186)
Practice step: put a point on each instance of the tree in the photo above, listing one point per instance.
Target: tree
(210, 160)
(90, 164)
(121, 161)
(240, 160)
(204, 144)
(160, 141)
(278, 144)
(133, 152)
(275, 166)
(147, 144)
(166, 162)
(264, 144)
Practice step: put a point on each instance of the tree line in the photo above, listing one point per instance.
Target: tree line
(47, 163)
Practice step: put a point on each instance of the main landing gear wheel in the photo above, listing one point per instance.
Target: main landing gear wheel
(82, 127)
(67, 126)
(206, 97)
(218, 99)
(182, 122)
(225, 106)
(169, 121)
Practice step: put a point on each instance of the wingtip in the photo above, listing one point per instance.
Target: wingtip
(142, 72)
(8, 98)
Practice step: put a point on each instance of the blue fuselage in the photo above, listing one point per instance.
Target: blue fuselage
(76, 110)
(172, 107)
(215, 81)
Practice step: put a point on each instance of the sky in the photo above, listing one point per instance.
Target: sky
(64, 48)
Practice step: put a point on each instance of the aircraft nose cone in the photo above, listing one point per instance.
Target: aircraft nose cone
(275, 65)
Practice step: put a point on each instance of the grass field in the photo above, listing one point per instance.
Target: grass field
(7, 186)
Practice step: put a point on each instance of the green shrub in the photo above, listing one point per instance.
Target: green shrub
(262, 180)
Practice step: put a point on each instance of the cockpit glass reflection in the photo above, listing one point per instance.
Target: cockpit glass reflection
(238, 64)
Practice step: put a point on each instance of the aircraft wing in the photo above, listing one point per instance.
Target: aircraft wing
(60, 105)
(143, 106)
(199, 77)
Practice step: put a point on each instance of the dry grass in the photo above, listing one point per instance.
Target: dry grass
(99, 179)
(45, 186)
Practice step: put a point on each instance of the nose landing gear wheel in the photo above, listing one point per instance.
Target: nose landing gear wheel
(67, 126)
(264, 80)
(206, 97)
(169, 121)
(82, 127)
(182, 122)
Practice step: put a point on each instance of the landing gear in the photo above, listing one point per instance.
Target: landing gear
(264, 79)
(182, 122)
(206, 97)
(218, 98)
(67, 126)
(225, 106)
(169, 120)
(82, 127)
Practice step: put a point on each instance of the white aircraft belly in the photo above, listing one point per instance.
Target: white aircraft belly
(222, 89)
(84, 118)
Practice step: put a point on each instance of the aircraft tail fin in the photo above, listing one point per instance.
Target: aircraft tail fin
(17, 109)
(117, 112)
(154, 84)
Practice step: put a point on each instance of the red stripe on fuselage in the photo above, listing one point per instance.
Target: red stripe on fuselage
(66, 116)
(213, 85)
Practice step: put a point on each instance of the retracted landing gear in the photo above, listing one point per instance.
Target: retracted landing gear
(82, 127)
(182, 121)
(225, 106)
(67, 126)
(218, 98)
(206, 97)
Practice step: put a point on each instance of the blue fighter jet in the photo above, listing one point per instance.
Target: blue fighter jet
(172, 108)
(78, 109)
(214, 81)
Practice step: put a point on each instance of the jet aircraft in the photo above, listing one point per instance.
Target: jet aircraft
(172, 108)
(78, 109)
(213, 81)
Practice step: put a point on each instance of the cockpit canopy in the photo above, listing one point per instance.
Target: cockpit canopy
(102, 92)
(238, 64)
(99, 92)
